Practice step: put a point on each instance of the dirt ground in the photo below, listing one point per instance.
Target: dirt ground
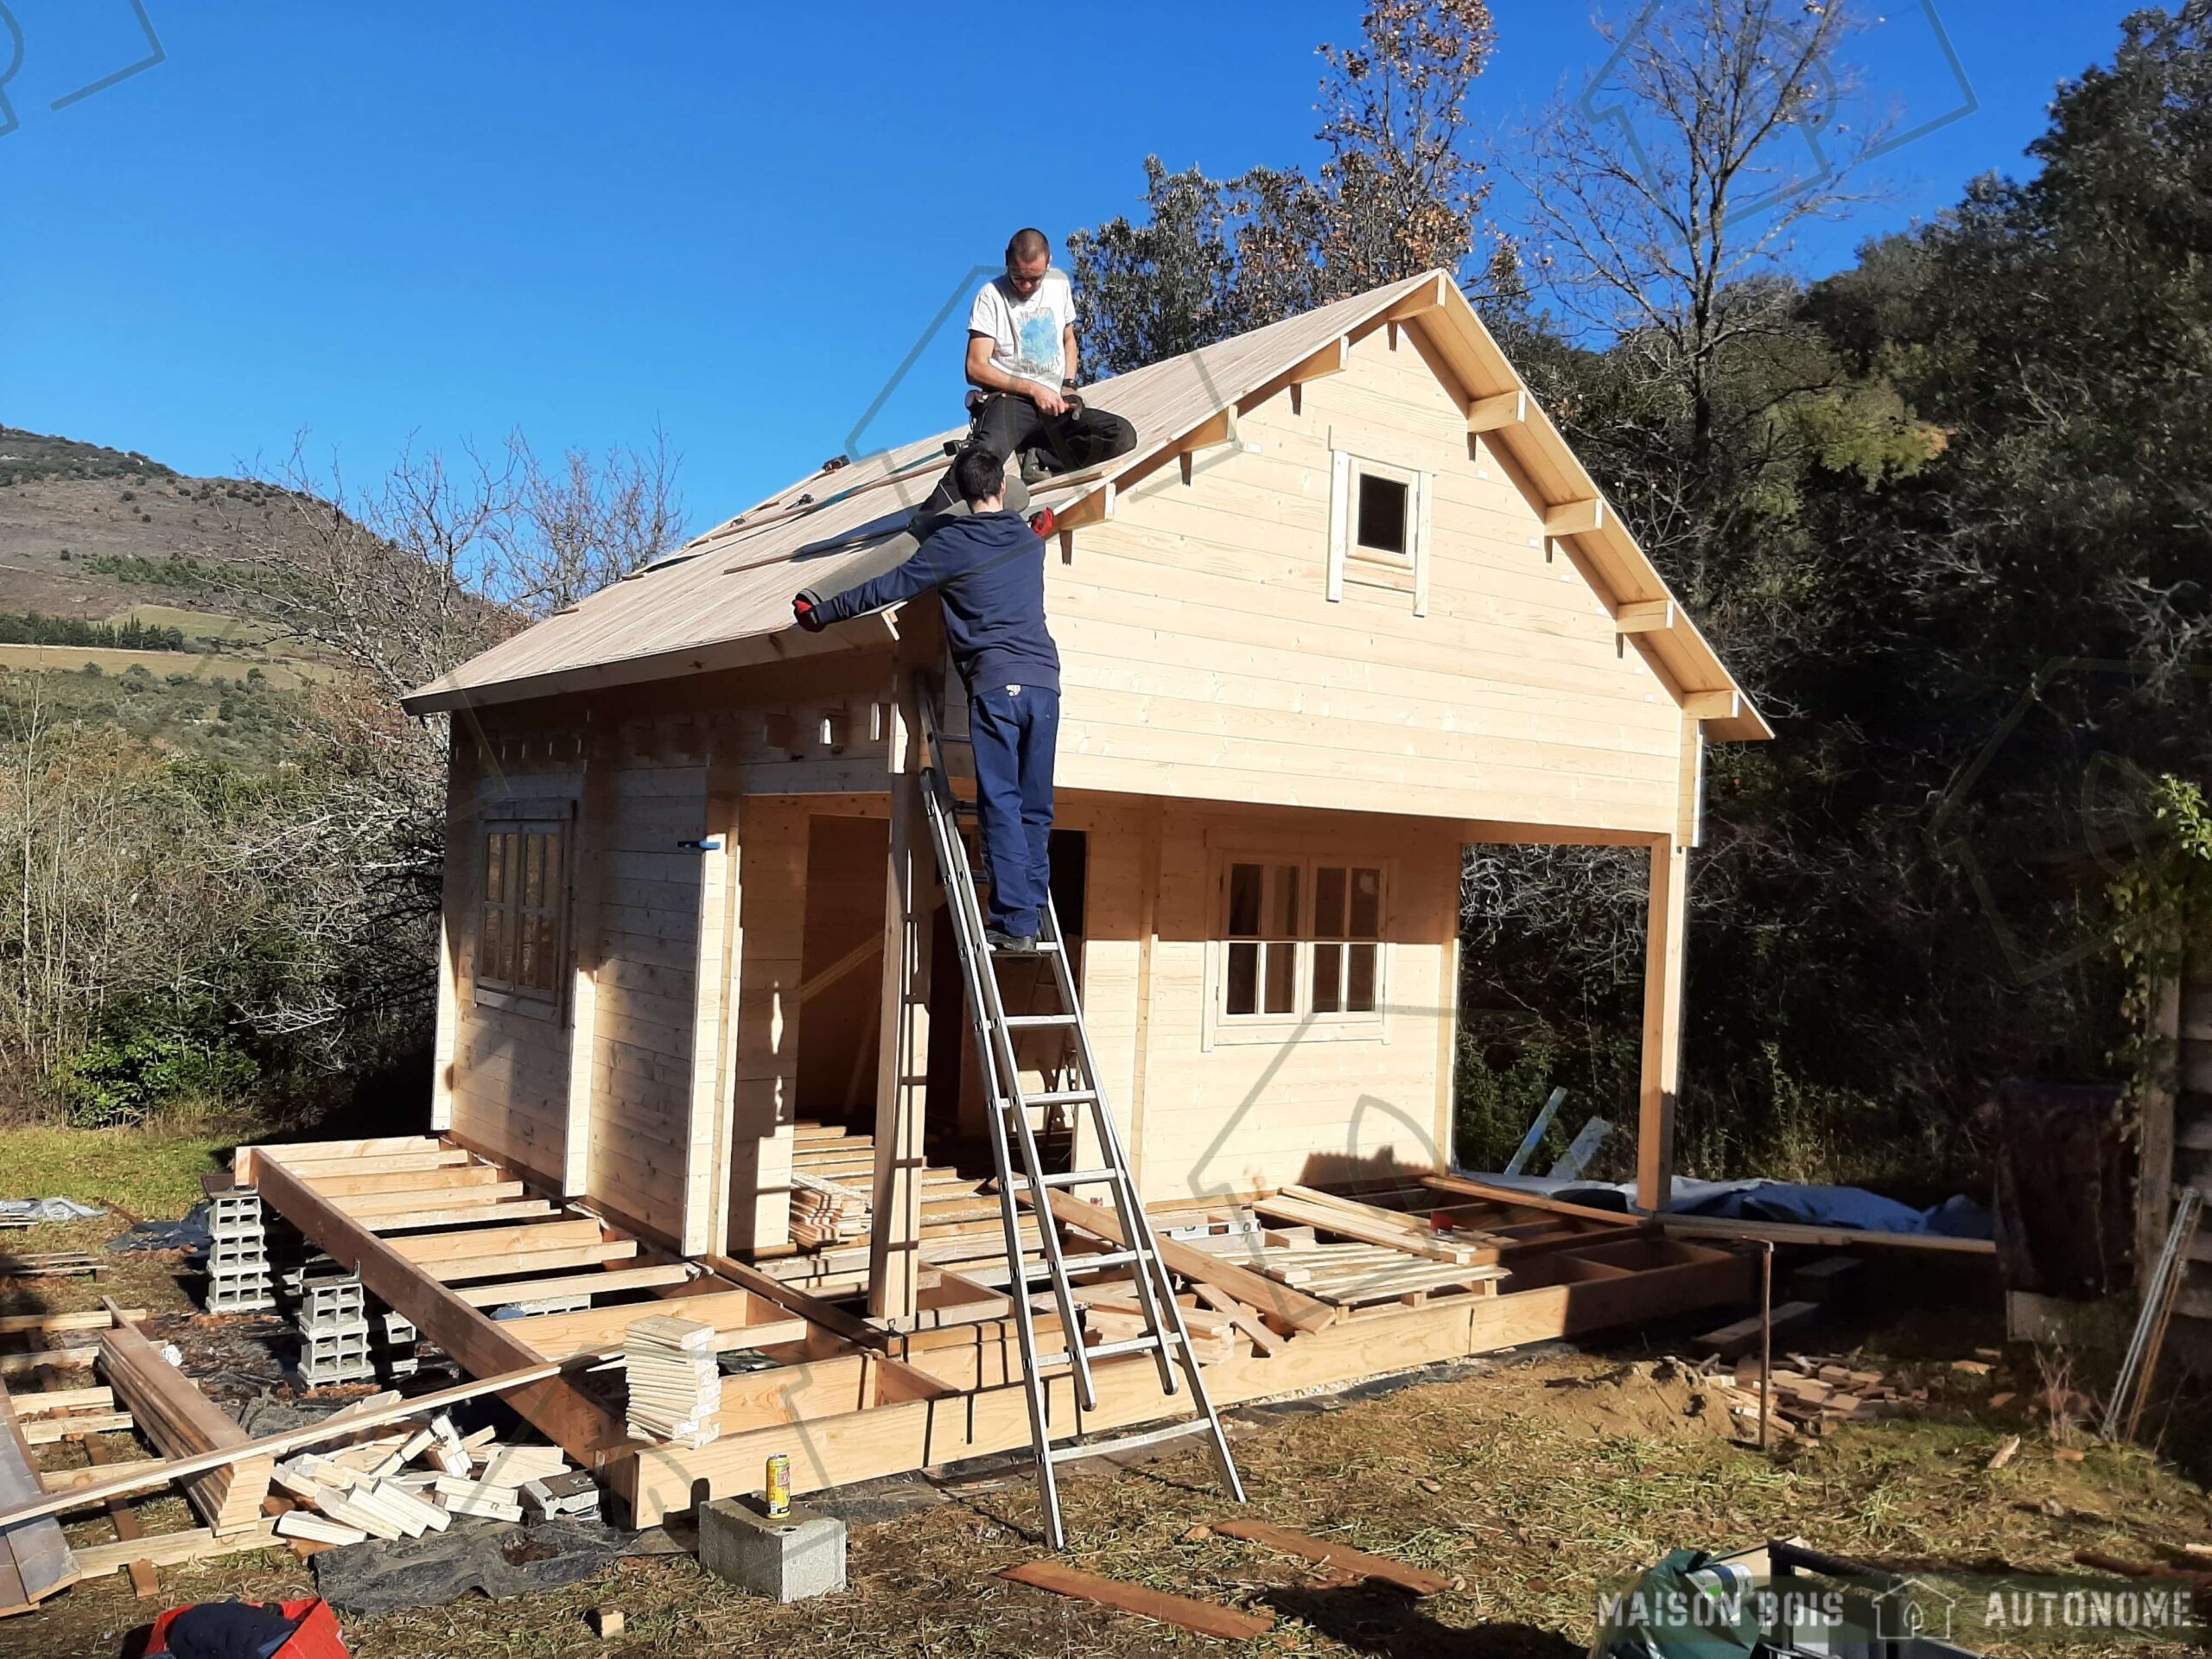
(1532, 1480)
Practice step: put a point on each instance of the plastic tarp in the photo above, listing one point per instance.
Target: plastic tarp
(1852, 1207)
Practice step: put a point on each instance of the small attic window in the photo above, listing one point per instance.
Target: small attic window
(1383, 513)
(1379, 528)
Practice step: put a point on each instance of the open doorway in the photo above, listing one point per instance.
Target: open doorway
(841, 972)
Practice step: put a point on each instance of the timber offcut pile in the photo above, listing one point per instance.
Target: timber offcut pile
(409, 1482)
(675, 1380)
(1812, 1393)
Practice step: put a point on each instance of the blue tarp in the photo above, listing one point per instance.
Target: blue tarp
(1789, 1201)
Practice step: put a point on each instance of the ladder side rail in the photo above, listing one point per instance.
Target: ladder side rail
(960, 891)
(1153, 1287)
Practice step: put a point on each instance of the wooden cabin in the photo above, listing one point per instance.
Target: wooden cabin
(1350, 605)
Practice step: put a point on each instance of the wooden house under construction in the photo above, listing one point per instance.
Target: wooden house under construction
(1350, 605)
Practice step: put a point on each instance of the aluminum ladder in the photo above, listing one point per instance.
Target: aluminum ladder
(1023, 1181)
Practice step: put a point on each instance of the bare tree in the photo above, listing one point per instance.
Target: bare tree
(583, 524)
(1653, 204)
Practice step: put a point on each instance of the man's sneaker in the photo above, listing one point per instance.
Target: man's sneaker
(1003, 943)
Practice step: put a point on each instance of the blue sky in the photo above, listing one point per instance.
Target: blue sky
(451, 219)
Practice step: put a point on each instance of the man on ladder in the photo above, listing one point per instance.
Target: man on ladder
(989, 567)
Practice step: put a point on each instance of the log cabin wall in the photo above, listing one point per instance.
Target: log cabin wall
(1480, 677)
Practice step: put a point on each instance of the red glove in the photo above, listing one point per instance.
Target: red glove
(805, 609)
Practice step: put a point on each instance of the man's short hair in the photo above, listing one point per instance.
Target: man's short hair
(1027, 245)
(978, 475)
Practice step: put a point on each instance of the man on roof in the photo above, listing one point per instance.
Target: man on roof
(1022, 362)
(989, 566)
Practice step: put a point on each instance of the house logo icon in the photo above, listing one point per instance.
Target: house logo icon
(1911, 1610)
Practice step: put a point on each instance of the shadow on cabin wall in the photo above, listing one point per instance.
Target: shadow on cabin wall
(393, 1098)
(1388, 1169)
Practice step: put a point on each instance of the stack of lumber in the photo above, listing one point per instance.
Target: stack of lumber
(1810, 1393)
(181, 1422)
(824, 1213)
(675, 1380)
(407, 1483)
(1355, 1275)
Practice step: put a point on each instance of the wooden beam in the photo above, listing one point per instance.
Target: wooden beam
(175, 1549)
(1643, 616)
(401, 1221)
(501, 1263)
(1207, 1618)
(523, 1240)
(182, 1422)
(1345, 1559)
(1094, 506)
(1427, 297)
(1713, 705)
(1667, 918)
(568, 1416)
(732, 1313)
(1503, 410)
(902, 1049)
(1791, 1232)
(1469, 1187)
(144, 1582)
(579, 1284)
(484, 1194)
(1216, 429)
(1582, 517)
(830, 1318)
(591, 847)
(704, 1221)
(89, 1319)
(341, 1188)
(1330, 359)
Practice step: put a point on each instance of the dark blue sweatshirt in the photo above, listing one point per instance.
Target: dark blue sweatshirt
(990, 568)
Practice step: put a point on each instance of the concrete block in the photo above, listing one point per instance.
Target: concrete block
(800, 1555)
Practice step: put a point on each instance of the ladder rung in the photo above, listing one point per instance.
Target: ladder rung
(1061, 1097)
(1037, 948)
(1081, 1178)
(1130, 1442)
(1086, 1264)
(1028, 1021)
(1103, 1350)
(956, 737)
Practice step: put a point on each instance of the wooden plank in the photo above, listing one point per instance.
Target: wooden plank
(1207, 1618)
(1501, 410)
(477, 1216)
(1345, 1217)
(1645, 615)
(504, 1263)
(578, 1284)
(734, 1314)
(175, 1549)
(1286, 1309)
(49, 1431)
(354, 1187)
(523, 1240)
(1785, 1232)
(1667, 922)
(182, 1422)
(37, 1558)
(1470, 1186)
(562, 1411)
(323, 1151)
(485, 1193)
(1343, 1557)
(92, 1320)
(144, 1582)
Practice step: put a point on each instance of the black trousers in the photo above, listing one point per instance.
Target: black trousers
(1008, 424)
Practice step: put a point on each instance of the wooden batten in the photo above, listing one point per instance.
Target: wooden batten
(1643, 615)
(1581, 517)
(1330, 359)
(1713, 705)
(1668, 920)
(1499, 410)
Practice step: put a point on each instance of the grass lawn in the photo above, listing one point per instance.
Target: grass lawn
(152, 1175)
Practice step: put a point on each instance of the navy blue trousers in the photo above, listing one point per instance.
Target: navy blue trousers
(1016, 729)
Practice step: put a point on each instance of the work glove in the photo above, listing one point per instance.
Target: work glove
(806, 609)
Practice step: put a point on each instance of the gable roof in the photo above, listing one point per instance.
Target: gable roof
(723, 599)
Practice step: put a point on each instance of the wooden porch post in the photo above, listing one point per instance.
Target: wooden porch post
(454, 923)
(901, 1089)
(706, 1164)
(1662, 1024)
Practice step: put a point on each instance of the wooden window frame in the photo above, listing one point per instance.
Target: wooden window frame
(1403, 573)
(491, 991)
(1301, 1023)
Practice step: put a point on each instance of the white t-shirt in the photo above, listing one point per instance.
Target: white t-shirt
(1026, 334)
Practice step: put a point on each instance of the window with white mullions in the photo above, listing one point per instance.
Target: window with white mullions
(520, 942)
(1301, 938)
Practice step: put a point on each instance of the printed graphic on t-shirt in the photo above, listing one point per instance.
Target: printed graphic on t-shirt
(1040, 343)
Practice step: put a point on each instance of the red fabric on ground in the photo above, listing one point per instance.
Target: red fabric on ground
(317, 1637)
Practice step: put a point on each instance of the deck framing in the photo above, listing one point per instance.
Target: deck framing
(850, 1401)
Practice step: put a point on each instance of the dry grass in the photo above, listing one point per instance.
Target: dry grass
(1531, 1482)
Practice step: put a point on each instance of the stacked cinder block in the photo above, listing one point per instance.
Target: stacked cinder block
(238, 1254)
(400, 1337)
(333, 1323)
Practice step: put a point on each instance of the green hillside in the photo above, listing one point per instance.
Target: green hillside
(25, 455)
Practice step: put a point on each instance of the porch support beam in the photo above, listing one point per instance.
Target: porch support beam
(1662, 1024)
